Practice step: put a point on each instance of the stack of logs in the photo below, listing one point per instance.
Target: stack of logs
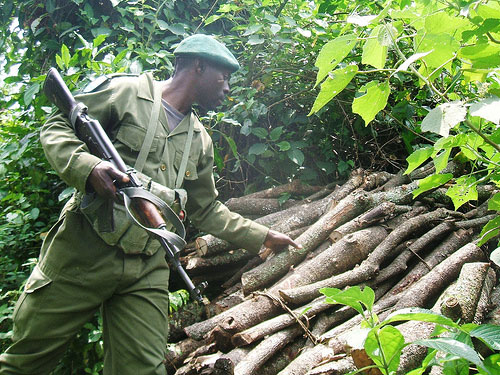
(368, 231)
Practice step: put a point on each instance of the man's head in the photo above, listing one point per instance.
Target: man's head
(207, 48)
(211, 63)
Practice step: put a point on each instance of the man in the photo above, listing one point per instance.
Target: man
(89, 262)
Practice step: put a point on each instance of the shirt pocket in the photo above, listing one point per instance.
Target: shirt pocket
(132, 136)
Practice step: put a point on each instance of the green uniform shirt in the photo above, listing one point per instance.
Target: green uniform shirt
(123, 105)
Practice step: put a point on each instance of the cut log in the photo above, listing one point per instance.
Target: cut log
(364, 220)
(483, 305)
(294, 187)
(283, 221)
(201, 264)
(452, 243)
(254, 262)
(280, 360)
(308, 359)
(375, 180)
(274, 268)
(258, 206)
(279, 322)
(265, 350)
(242, 316)
(177, 353)
(399, 264)
(290, 219)
(461, 302)
(436, 280)
(369, 267)
(338, 367)
(313, 356)
(493, 316)
(339, 257)
(413, 355)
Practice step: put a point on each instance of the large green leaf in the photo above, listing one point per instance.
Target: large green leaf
(463, 191)
(257, 149)
(454, 347)
(296, 156)
(491, 365)
(488, 108)
(490, 230)
(335, 83)
(444, 117)
(373, 101)
(441, 161)
(374, 53)
(443, 22)
(30, 93)
(421, 315)
(489, 334)
(431, 182)
(352, 297)
(386, 350)
(443, 47)
(332, 53)
(417, 157)
(494, 202)
(482, 55)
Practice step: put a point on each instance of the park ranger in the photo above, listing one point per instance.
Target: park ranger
(94, 258)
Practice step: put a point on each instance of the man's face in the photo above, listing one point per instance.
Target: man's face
(213, 86)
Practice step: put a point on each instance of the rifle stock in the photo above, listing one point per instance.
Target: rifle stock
(91, 132)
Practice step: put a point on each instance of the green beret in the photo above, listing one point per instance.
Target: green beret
(206, 47)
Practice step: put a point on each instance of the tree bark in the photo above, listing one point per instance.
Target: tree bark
(307, 360)
(177, 353)
(369, 267)
(339, 257)
(364, 220)
(451, 244)
(277, 266)
(295, 187)
(265, 350)
(338, 367)
(461, 301)
(399, 264)
(440, 276)
(201, 264)
(258, 206)
(279, 322)
(483, 305)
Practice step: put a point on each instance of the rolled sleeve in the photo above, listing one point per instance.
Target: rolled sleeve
(210, 215)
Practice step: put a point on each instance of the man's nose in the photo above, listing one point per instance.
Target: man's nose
(226, 88)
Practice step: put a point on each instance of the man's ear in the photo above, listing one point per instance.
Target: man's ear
(199, 65)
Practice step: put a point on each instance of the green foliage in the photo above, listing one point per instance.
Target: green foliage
(384, 342)
(442, 58)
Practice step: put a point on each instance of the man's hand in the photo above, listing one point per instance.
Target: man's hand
(276, 241)
(104, 178)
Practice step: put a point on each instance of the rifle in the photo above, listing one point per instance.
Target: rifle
(146, 205)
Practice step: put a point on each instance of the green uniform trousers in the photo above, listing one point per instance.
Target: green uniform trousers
(78, 274)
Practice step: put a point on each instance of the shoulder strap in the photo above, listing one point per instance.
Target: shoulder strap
(152, 126)
(185, 154)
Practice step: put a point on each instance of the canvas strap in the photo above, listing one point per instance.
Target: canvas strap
(151, 131)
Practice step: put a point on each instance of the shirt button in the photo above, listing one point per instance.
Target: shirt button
(188, 173)
(163, 167)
